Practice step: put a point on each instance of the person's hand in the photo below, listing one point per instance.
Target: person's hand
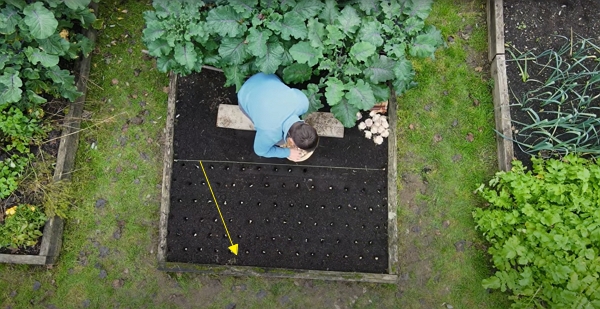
(295, 154)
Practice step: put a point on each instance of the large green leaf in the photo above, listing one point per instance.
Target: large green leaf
(70, 92)
(153, 32)
(371, 32)
(334, 35)
(362, 51)
(349, 20)
(380, 70)
(308, 8)
(316, 33)
(186, 55)
(297, 73)
(236, 75)
(196, 32)
(360, 95)
(257, 41)
(314, 98)
(244, 7)
(233, 50)
(4, 58)
(413, 25)
(166, 64)
(225, 21)
(391, 9)
(10, 88)
(286, 5)
(59, 76)
(159, 48)
(36, 55)
(34, 98)
(351, 69)
(334, 91)
(10, 18)
(271, 61)
(419, 8)
(381, 92)
(369, 6)
(87, 17)
(54, 44)
(77, 4)
(330, 12)
(423, 45)
(345, 113)
(404, 76)
(293, 26)
(40, 20)
(303, 52)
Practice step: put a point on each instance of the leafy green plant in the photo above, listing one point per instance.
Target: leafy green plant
(36, 35)
(353, 49)
(543, 227)
(21, 227)
(563, 109)
(11, 169)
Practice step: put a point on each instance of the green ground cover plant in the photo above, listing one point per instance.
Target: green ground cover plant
(21, 227)
(563, 108)
(108, 258)
(543, 227)
(354, 49)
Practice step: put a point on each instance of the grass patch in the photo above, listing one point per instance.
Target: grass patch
(108, 257)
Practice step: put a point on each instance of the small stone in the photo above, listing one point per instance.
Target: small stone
(241, 287)
(261, 294)
(456, 158)
(118, 283)
(114, 81)
(230, 306)
(411, 126)
(136, 72)
(13, 293)
(460, 245)
(144, 156)
(446, 223)
(86, 303)
(455, 123)
(284, 299)
(470, 137)
(166, 89)
(136, 120)
(117, 234)
(103, 251)
(136, 181)
(427, 107)
(100, 203)
(102, 274)
(437, 138)
(37, 285)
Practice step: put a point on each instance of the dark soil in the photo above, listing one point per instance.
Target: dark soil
(536, 26)
(328, 213)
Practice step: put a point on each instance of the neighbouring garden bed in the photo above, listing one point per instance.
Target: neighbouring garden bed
(40, 132)
(541, 217)
(530, 29)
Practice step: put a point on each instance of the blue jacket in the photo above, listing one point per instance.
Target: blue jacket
(273, 107)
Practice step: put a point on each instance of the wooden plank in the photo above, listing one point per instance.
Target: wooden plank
(502, 114)
(52, 240)
(495, 21)
(228, 270)
(231, 117)
(23, 259)
(167, 169)
(393, 262)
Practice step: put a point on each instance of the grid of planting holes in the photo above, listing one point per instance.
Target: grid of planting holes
(281, 216)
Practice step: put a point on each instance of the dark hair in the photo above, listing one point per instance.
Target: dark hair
(304, 136)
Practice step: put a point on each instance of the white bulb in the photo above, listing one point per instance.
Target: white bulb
(385, 125)
(362, 126)
(378, 140)
(376, 117)
(385, 133)
(372, 113)
(368, 134)
(376, 129)
(383, 117)
(369, 122)
(358, 116)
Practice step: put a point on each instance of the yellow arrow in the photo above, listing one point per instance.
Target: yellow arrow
(234, 247)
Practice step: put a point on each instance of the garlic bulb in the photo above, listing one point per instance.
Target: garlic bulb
(385, 133)
(358, 116)
(369, 122)
(378, 140)
(362, 126)
(368, 134)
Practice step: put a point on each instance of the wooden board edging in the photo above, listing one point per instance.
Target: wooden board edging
(393, 262)
(502, 114)
(167, 170)
(65, 161)
(495, 22)
(243, 271)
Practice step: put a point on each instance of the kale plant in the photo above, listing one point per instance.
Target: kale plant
(351, 50)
